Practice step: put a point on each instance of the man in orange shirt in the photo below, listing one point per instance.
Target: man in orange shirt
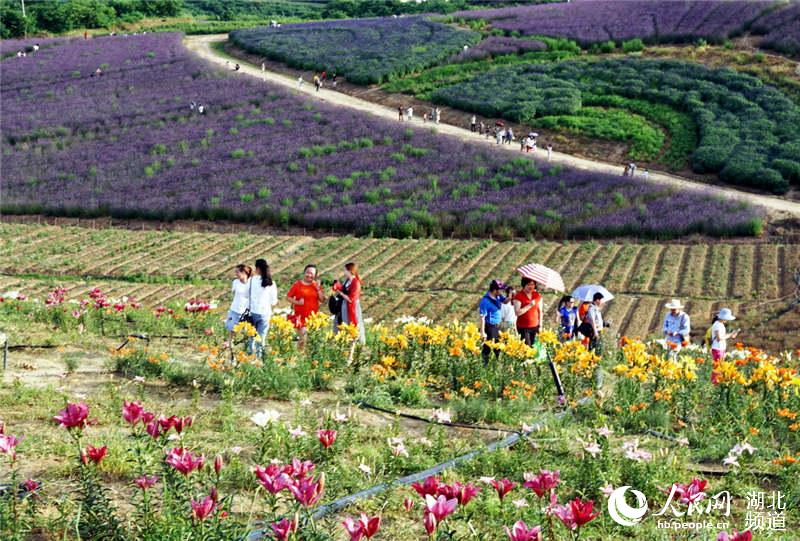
(528, 308)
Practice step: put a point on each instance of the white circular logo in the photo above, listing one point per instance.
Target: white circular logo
(622, 513)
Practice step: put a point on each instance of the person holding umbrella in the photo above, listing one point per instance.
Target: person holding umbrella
(490, 312)
(528, 309)
(676, 325)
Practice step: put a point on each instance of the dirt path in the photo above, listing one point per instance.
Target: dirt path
(201, 45)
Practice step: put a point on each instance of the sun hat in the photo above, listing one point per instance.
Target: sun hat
(725, 315)
(496, 284)
(674, 304)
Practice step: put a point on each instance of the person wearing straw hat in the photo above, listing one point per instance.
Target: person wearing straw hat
(677, 325)
(720, 335)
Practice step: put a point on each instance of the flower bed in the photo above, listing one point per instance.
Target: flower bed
(362, 50)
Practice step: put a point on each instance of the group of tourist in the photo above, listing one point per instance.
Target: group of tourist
(255, 294)
(630, 171)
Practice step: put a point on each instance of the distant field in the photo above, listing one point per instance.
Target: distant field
(441, 279)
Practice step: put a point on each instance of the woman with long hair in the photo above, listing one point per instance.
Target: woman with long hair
(241, 295)
(264, 297)
(305, 296)
(350, 292)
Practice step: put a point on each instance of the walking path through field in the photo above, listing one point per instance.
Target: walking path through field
(201, 45)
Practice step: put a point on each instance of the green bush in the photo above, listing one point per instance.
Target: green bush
(632, 45)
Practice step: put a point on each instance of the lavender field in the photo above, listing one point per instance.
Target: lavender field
(593, 21)
(364, 50)
(781, 29)
(127, 144)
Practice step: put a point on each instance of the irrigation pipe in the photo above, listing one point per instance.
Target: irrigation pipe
(365, 405)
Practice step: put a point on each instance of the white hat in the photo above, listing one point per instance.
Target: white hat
(725, 315)
(674, 304)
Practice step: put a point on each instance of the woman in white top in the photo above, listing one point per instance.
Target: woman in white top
(263, 297)
(719, 334)
(241, 295)
(508, 317)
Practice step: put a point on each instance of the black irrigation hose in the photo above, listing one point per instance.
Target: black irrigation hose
(365, 405)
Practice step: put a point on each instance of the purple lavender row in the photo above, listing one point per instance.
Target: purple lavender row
(591, 21)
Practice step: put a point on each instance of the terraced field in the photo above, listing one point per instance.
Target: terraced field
(441, 279)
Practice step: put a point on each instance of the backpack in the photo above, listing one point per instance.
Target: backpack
(335, 304)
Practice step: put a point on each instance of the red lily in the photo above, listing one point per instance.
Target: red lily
(430, 523)
(326, 437)
(73, 416)
(429, 487)
(521, 532)
(462, 493)
(31, 485)
(691, 493)
(369, 525)
(95, 454)
(408, 504)
(272, 478)
(203, 508)
(183, 461)
(308, 491)
(440, 507)
(283, 529)
(146, 481)
(543, 482)
(218, 464)
(503, 487)
(576, 513)
(132, 412)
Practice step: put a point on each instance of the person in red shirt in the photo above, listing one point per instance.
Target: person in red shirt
(305, 296)
(528, 307)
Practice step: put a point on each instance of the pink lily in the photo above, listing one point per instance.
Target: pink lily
(521, 532)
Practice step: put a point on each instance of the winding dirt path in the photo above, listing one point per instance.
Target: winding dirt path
(201, 46)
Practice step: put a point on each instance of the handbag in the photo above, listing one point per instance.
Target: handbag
(335, 302)
(247, 315)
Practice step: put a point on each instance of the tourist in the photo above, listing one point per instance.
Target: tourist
(509, 135)
(499, 135)
(263, 296)
(528, 309)
(437, 115)
(549, 151)
(677, 326)
(333, 78)
(192, 106)
(201, 108)
(300, 81)
(324, 75)
(409, 113)
(646, 174)
(241, 296)
(263, 67)
(35, 47)
(400, 113)
(237, 67)
(489, 310)
(473, 123)
(592, 324)
(626, 170)
(567, 318)
(507, 315)
(522, 143)
(350, 292)
(305, 296)
(317, 82)
(632, 169)
(424, 118)
(720, 335)
(481, 128)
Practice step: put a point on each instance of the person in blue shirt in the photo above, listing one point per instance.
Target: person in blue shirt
(567, 316)
(490, 311)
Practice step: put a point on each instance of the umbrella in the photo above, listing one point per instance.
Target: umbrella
(499, 123)
(586, 292)
(533, 134)
(545, 276)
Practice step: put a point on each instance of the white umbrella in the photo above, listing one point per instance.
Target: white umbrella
(585, 293)
(545, 276)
